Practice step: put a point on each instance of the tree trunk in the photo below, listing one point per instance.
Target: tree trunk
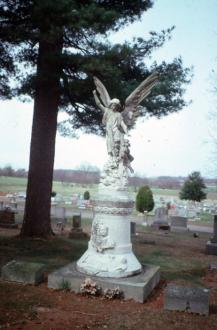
(36, 222)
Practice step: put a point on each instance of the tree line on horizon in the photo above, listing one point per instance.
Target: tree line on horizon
(92, 176)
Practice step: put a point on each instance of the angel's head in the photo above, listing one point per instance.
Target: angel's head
(115, 105)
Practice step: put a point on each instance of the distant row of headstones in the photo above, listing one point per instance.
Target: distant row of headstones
(189, 209)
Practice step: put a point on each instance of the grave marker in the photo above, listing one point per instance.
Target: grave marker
(179, 223)
(187, 299)
(211, 245)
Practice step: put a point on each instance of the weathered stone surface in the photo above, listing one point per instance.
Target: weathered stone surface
(187, 299)
(179, 223)
(161, 218)
(211, 248)
(109, 252)
(136, 287)
(23, 272)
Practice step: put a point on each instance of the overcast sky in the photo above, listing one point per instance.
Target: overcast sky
(175, 145)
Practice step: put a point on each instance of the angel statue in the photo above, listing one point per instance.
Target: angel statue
(118, 120)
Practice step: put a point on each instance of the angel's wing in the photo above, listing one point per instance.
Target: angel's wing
(131, 109)
(104, 95)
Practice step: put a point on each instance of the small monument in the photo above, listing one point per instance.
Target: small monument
(76, 230)
(161, 218)
(109, 256)
(7, 218)
(179, 219)
(179, 223)
(211, 246)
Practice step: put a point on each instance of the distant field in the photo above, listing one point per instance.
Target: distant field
(15, 185)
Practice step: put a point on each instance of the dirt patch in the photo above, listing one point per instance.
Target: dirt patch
(38, 308)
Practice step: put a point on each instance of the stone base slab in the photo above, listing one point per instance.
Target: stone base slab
(211, 248)
(23, 272)
(137, 287)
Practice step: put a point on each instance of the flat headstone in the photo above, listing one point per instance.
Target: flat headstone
(23, 272)
(187, 299)
(137, 287)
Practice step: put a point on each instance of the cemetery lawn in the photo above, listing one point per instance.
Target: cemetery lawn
(10, 185)
(180, 256)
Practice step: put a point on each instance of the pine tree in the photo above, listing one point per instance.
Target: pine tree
(144, 200)
(193, 188)
(52, 49)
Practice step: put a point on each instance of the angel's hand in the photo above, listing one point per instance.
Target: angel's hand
(94, 92)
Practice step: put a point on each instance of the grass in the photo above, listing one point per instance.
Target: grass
(173, 268)
(179, 255)
(54, 253)
(15, 185)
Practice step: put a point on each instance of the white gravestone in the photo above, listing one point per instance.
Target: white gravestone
(109, 258)
(109, 251)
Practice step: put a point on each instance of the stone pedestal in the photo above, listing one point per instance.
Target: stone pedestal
(211, 246)
(109, 260)
(109, 251)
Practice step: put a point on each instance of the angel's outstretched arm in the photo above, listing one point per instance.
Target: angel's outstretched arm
(98, 103)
